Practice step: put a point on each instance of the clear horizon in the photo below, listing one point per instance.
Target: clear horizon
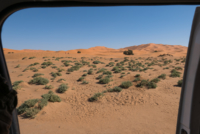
(117, 27)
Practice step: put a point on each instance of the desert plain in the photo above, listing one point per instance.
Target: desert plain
(98, 90)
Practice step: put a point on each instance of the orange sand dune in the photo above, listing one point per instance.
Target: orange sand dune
(150, 49)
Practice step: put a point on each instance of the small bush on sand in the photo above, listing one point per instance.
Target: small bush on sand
(136, 79)
(15, 84)
(32, 57)
(24, 58)
(156, 80)
(48, 87)
(79, 52)
(178, 68)
(151, 85)
(17, 66)
(85, 82)
(162, 76)
(180, 82)
(37, 74)
(62, 88)
(175, 73)
(27, 104)
(126, 84)
(48, 63)
(81, 78)
(31, 112)
(137, 75)
(90, 71)
(59, 80)
(115, 89)
(42, 103)
(99, 77)
(107, 72)
(104, 81)
(129, 52)
(142, 83)
(39, 81)
(95, 97)
(84, 75)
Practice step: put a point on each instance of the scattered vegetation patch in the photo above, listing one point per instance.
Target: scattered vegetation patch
(129, 52)
(48, 87)
(17, 66)
(85, 82)
(104, 80)
(37, 74)
(62, 88)
(126, 84)
(15, 85)
(180, 82)
(95, 97)
(115, 89)
(162, 76)
(39, 81)
(175, 73)
(81, 78)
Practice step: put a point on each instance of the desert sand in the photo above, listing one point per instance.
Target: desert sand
(135, 110)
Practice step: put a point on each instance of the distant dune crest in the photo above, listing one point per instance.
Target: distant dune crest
(142, 49)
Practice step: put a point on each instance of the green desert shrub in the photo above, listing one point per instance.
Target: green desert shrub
(95, 97)
(73, 68)
(54, 98)
(48, 63)
(15, 84)
(96, 62)
(85, 82)
(48, 87)
(27, 104)
(32, 57)
(101, 70)
(107, 72)
(136, 79)
(162, 76)
(81, 78)
(115, 89)
(180, 82)
(17, 66)
(43, 66)
(78, 51)
(137, 75)
(60, 69)
(53, 74)
(24, 58)
(31, 112)
(59, 80)
(84, 74)
(58, 74)
(122, 76)
(126, 84)
(39, 81)
(155, 80)
(99, 77)
(62, 88)
(142, 83)
(178, 68)
(129, 52)
(42, 103)
(175, 73)
(37, 74)
(54, 67)
(151, 84)
(104, 80)
(90, 71)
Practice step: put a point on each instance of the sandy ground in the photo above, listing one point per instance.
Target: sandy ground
(132, 111)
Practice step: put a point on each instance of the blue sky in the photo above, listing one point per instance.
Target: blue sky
(84, 27)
